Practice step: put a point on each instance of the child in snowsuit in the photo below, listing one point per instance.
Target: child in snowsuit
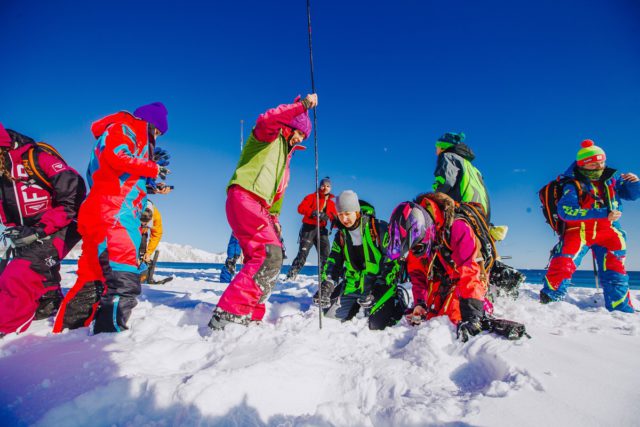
(357, 262)
(442, 255)
(40, 197)
(590, 207)
(308, 233)
(233, 254)
(150, 230)
(109, 221)
(254, 199)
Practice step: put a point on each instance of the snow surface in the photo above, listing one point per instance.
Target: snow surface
(579, 369)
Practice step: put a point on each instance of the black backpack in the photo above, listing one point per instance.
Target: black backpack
(549, 195)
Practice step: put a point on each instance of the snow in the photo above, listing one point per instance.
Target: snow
(172, 252)
(579, 369)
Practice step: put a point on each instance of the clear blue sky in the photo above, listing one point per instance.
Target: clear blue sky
(526, 81)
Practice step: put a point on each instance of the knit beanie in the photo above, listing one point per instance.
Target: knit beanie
(154, 113)
(325, 180)
(449, 139)
(348, 202)
(589, 153)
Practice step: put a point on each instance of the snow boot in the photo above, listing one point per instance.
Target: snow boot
(221, 318)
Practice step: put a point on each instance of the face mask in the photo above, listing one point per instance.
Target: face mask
(593, 175)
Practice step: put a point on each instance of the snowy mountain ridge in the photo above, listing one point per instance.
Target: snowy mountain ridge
(172, 252)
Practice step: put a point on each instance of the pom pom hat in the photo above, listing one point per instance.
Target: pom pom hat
(590, 153)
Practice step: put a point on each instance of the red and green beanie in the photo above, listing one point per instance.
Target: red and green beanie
(449, 139)
(589, 153)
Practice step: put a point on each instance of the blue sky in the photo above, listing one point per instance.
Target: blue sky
(526, 82)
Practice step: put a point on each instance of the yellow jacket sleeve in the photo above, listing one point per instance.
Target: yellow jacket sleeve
(155, 233)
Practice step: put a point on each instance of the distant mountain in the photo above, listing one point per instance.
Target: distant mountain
(173, 252)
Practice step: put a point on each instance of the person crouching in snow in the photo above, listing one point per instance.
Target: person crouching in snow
(441, 253)
(591, 213)
(308, 233)
(109, 268)
(357, 262)
(254, 199)
(41, 196)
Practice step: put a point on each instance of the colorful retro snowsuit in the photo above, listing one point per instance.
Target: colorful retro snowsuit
(459, 179)
(30, 283)
(233, 254)
(308, 233)
(109, 223)
(254, 199)
(449, 281)
(587, 227)
(358, 259)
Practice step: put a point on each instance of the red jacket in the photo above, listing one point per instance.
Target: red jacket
(308, 205)
(461, 268)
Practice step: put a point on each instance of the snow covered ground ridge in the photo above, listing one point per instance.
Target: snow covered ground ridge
(172, 252)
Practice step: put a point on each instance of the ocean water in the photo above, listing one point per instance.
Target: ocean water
(581, 278)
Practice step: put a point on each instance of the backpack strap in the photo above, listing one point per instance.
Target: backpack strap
(32, 166)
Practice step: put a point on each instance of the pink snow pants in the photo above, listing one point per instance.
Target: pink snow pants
(253, 227)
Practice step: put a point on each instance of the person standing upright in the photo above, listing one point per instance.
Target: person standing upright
(311, 212)
(254, 199)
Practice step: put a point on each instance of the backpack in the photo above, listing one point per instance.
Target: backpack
(470, 212)
(549, 195)
(29, 162)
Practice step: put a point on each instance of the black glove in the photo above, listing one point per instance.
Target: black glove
(314, 214)
(327, 287)
(161, 156)
(163, 172)
(324, 217)
(468, 328)
(23, 235)
(366, 301)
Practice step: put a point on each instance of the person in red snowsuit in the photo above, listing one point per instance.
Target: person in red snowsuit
(109, 221)
(39, 207)
(308, 233)
(441, 252)
(591, 207)
(254, 199)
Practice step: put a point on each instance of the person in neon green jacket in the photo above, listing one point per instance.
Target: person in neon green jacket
(357, 273)
(455, 175)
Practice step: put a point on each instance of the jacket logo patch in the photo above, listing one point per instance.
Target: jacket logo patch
(33, 208)
(57, 167)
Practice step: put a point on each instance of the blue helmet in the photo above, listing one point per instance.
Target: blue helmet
(410, 229)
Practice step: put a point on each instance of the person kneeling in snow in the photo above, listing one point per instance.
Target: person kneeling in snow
(254, 199)
(41, 196)
(590, 207)
(357, 260)
(441, 253)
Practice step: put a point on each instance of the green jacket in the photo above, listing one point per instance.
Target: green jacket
(263, 169)
(374, 265)
(459, 179)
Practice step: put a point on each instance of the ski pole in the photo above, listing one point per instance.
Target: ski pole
(315, 149)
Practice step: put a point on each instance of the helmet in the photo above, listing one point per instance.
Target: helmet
(410, 229)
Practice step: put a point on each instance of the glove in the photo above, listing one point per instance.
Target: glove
(161, 156)
(416, 315)
(152, 187)
(23, 235)
(323, 216)
(469, 328)
(163, 172)
(314, 214)
(366, 301)
(327, 287)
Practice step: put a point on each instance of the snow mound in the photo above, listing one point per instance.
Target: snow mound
(170, 369)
